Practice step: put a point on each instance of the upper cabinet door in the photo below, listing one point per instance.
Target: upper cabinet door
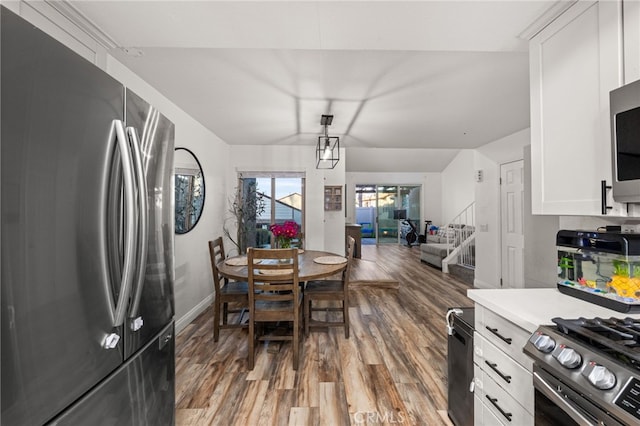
(574, 62)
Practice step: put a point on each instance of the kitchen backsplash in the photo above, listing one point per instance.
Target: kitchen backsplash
(595, 222)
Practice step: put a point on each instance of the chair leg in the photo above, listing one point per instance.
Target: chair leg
(296, 342)
(216, 319)
(307, 316)
(251, 353)
(345, 313)
(225, 313)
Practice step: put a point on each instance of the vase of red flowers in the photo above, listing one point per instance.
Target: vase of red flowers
(284, 233)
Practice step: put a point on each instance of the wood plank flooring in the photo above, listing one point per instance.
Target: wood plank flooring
(392, 369)
(366, 271)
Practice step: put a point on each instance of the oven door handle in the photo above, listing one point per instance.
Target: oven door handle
(540, 384)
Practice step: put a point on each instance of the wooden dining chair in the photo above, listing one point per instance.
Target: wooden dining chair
(226, 292)
(329, 291)
(274, 296)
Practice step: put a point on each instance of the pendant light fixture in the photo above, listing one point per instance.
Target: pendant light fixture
(328, 148)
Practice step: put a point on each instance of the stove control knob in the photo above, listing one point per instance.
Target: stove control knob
(599, 376)
(542, 342)
(567, 357)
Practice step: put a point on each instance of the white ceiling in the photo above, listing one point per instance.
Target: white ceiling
(395, 74)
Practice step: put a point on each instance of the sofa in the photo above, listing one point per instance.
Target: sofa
(437, 245)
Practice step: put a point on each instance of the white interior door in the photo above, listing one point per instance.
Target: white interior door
(512, 209)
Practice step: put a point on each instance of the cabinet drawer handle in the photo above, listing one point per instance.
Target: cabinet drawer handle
(494, 366)
(494, 402)
(495, 331)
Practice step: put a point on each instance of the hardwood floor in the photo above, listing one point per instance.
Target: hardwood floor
(392, 370)
(367, 271)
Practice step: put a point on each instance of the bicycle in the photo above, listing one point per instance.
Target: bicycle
(412, 234)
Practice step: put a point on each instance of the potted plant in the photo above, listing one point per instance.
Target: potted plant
(246, 205)
(284, 233)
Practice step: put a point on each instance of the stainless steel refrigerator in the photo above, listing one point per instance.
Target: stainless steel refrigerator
(87, 241)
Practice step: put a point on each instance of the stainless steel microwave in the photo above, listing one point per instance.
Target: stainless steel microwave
(624, 104)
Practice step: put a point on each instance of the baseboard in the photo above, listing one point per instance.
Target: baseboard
(190, 316)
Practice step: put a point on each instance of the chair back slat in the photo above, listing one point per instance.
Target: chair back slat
(274, 297)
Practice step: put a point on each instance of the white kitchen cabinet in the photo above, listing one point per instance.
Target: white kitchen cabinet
(502, 373)
(505, 371)
(505, 335)
(515, 314)
(575, 62)
(498, 401)
(482, 415)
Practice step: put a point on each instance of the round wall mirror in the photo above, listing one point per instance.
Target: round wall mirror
(189, 184)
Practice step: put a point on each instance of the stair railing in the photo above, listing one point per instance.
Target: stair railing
(461, 235)
(467, 253)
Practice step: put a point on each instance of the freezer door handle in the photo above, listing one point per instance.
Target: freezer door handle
(143, 221)
(130, 224)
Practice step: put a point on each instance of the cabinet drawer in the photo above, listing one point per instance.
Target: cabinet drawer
(482, 416)
(505, 335)
(507, 373)
(499, 402)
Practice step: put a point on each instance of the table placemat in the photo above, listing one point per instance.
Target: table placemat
(330, 260)
(274, 271)
(236, 261)
(239, 261)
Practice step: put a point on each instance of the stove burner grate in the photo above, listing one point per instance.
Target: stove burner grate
(619, 338)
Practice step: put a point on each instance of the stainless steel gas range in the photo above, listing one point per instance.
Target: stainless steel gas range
(587, 372)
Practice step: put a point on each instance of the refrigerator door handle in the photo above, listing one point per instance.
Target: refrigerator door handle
(143, 230)
(130, 224)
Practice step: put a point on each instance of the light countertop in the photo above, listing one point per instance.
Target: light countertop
(531, 307)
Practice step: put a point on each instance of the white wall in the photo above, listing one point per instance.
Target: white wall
(392, 160)
(540, 254)
(457, 185)
(324, 230)
(431, 191)
(539, 231)
(487, 195)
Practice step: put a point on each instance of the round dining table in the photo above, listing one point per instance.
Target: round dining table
(308, 268)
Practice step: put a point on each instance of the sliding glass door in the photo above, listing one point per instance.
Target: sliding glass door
(383, 211)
